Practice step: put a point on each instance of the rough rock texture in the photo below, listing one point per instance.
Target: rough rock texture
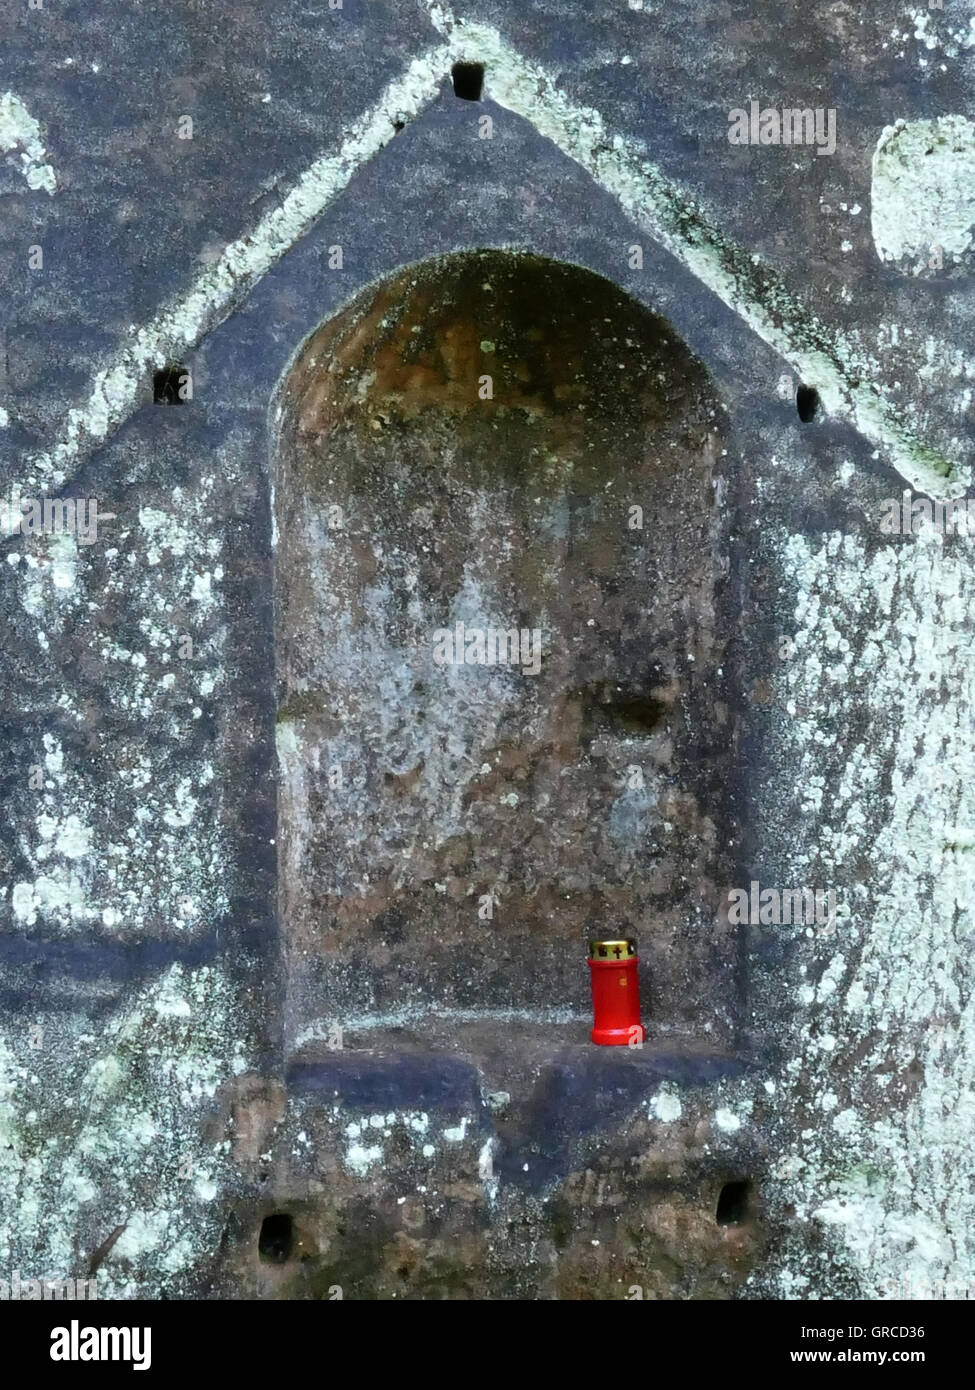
(453, 832)
(225, 1067)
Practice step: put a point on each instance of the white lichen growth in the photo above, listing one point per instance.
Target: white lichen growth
(883, 1160)
(120, 1136)
(20, 135)
(923, 191)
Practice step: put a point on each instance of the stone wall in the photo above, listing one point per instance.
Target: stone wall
(230, 1064)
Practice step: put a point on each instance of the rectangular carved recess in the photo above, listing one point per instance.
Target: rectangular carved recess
(513, 445)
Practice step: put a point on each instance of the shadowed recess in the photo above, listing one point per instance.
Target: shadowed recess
(497, 443)
(468, 80)
(734, 1202)
(170, 384)
(275, 1242)
(807, 403)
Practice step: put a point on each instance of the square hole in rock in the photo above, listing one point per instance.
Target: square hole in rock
(468, 80)
(807, 403)
(171, 384)
(276, 1240)
(734, 1203)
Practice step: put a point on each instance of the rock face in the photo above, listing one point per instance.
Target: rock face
(294, 901)
(501, 444)
(588, 1177)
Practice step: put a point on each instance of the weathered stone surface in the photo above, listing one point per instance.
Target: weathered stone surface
(586, 1178)
(452, 832)
(170, 1075)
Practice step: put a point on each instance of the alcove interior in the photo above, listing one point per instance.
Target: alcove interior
(505, 441)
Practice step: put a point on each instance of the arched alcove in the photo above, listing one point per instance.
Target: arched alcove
(507, 442)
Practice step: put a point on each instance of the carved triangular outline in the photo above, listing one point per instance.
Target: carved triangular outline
(618, 164)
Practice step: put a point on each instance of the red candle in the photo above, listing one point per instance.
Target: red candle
(615, 992)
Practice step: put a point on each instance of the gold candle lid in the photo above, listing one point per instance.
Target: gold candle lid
(615, 948)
